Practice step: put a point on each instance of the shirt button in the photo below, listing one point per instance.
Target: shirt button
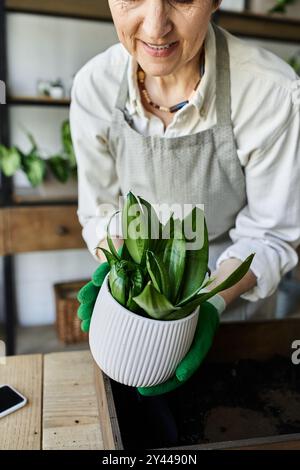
(202, 112)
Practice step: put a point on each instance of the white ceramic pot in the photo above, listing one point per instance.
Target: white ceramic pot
(56, 92)
(135, 350)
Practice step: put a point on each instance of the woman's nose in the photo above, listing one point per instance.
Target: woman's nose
(156, 22)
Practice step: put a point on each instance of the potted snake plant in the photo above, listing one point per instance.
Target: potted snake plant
(147, 309)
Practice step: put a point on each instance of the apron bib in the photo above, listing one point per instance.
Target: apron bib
(201, 168)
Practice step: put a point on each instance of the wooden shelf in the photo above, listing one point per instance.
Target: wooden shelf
(274, 27)
(37, 101)
(54, 227)
(20, 199)
(51, 191)
(84, 9)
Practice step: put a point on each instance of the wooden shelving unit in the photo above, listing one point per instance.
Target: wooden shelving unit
(24, 197)
(82, 9)
(51, 227)
(275, 27)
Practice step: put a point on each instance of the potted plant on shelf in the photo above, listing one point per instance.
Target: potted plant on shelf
(36, 168)
(147, 309)
(281, 5)
(56, 89)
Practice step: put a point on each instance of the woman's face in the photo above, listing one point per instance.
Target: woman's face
(177, 26)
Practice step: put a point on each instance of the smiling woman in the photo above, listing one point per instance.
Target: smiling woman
(182, 112)
(165, 38)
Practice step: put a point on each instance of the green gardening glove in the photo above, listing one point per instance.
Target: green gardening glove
(88, 294)
(207, 326)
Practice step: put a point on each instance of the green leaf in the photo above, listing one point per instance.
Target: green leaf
(33, 142)
(134, 225)
(154, 226)
(233, 279)
(136, 282)
(35, 168)
(155, 304)
(166, 232)
(111, 259)
(183, 312)
(174, 259)
(118, 282)
(109, 240)
(130, 304)
(196, 264)
(125, 254)
(59, 167)
(67, 143)
(158, 273)
(10, 160)
(74, 173)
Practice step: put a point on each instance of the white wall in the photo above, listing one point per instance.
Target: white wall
(233, 5)
(36, 273)
(47, 48)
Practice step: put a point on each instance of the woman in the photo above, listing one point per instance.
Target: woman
(182, 111)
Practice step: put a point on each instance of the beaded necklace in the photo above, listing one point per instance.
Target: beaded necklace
(141, 78)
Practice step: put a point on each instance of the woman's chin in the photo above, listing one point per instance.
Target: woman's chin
(155, 69)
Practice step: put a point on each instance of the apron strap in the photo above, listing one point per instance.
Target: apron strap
(223, 89)
(223, 92)
(123, 90)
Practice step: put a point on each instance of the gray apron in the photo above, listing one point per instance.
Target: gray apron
(201, 168)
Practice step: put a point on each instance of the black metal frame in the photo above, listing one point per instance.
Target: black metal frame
(6, 200)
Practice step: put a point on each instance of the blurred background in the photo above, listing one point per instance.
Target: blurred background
(43, 260)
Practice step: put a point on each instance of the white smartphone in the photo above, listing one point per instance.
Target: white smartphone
(10, 400)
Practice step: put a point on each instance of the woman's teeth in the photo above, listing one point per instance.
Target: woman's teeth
(159, 48)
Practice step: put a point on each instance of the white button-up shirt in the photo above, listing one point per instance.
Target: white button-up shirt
(265, 95)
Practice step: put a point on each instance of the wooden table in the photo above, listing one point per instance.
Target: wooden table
(71, 404)
(62, 410)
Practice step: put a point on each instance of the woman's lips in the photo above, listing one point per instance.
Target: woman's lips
(160, 51)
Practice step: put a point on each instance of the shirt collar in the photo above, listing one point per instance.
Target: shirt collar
(203, 92)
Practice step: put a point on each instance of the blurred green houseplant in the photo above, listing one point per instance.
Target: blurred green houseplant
(280, 6)
(294, 62)
(62, 165)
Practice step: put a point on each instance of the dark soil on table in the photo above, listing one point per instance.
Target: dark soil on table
(222, 402)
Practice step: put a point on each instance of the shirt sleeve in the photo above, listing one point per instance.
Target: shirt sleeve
(269, 225)
(98, 184)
